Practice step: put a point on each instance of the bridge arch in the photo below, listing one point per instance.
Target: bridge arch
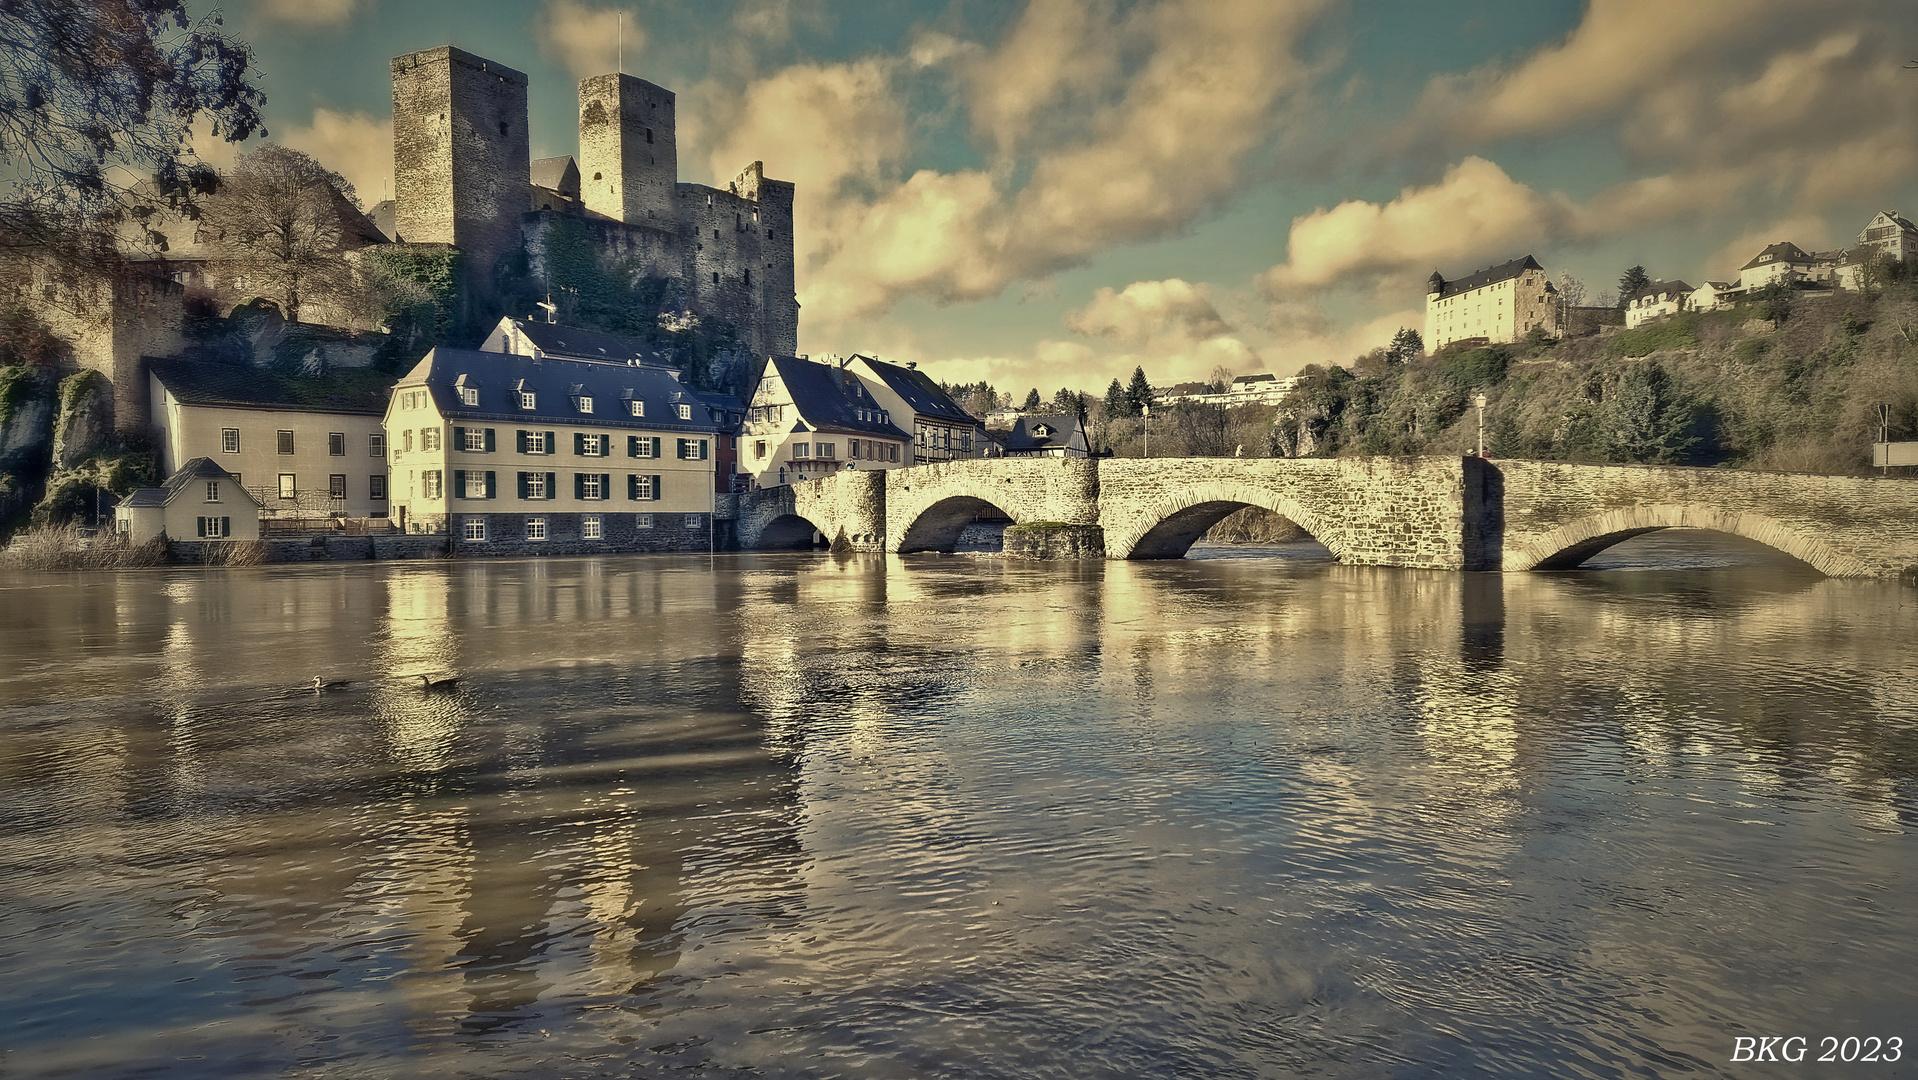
(936, 525)
(1576, 541)
(789, 532)
(1168, 526)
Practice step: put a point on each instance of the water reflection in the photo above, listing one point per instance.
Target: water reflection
(946, 816)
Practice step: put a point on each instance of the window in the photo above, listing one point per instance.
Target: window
(692, 521)
(212, 491)
(589, 527)
(287, 487)
(642, 521)
(824, 449)
(429, 438)
(336, 444)
(642, 446)
(535, 528)
(230, 440)
(715, 273)
(376, 488)
(336, 485)
(376, 445)
(214, 528)
(592, 445)
(406, 441)
(533, 442)
(474, 485)
(473, 440)
(642, 488)
(473, 529)
(526, 399)
(685, 412)
(590, 486)
(638, 407)
(533, 485)
(286, 442)
(430, 486)
(759, 448)
(583, 404)
(695, 449)
(801, 450)
(469, 395)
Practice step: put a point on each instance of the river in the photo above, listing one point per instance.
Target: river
(1246, 814)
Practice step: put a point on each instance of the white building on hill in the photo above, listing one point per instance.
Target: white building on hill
(1499, 303)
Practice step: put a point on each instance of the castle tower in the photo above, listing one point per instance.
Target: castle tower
(628, 150)
(461, 165)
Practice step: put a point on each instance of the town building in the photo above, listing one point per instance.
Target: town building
(1263, 388)
(200, 501)
(808, 420)
(1499, 303)
(1891, 233)
(306, 453)
(1787, 263)
(1048, 435)
(942, 430)
(512, 455)
(1711, 296)
(1657, 300)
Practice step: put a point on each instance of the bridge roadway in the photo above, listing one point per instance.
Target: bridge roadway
(1431, 512)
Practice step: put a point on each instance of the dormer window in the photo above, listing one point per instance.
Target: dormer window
(527, 400)
(469, 395)
(637, 406)
(685, 412)
(583, 404)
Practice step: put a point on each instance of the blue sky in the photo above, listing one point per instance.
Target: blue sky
(1049, 192)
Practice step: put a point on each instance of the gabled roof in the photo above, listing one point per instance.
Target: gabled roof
(1247, 380)
(1782, 252)
(1491, 275)
(382, 216)
(918, 390)
(197, 470)
(1653, 288)
(1064, 433)
(579, 343)
(1895, 218)
(231, 386)
(829, 399)
(555, 384)
(560, 174)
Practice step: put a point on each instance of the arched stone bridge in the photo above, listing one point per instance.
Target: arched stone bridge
(1437, 513)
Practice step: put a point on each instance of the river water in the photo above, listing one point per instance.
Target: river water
(1247, 814)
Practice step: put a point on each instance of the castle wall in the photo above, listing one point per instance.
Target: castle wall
(109, 323)
(628, 149)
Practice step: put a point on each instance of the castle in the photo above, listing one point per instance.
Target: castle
(462, 176)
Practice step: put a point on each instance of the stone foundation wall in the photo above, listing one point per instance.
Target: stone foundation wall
(1051, 540)
(619, 534)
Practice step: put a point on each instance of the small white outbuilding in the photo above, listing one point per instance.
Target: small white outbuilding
(200, 502)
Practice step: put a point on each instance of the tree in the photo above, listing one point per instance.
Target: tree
(95, 96)
(1032, 400)
(276, 225)
(1631, 284)
(1117, 403)
(1648, 419)
(1221, 380)
(1571, 297)
(1406, 346)
(1139, 391)
(1068, 403)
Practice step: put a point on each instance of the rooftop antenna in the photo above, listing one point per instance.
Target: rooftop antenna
(619, 38)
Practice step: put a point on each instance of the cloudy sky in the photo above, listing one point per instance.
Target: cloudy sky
(1049, 192)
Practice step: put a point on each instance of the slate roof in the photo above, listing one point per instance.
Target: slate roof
(1066, 434)
(382, 216)
(577, 342)
(560, 174)
(1491, 275)
(554, 383)
(199, 469)
(1246, 380)
(231, 386)
(919, 391)
(828, 399)
(1783, 251)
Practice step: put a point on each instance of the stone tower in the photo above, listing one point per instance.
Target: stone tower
(460, 160)
(628, 150)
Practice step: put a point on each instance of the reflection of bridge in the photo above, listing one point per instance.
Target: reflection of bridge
(1440, 513)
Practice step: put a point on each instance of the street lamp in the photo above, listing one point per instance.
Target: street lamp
(1146, 411)
(1480, 401)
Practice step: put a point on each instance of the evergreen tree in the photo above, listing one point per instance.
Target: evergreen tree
(1629, 286)
(1032, 400)
(1139, 391)
(1406, 346)
(1118, 405)
(1067, 402)
(1648, 418)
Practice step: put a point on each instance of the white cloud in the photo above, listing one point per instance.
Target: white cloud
(1807, 231)
(590, 40)
(353, 144)
(1148, 309)
(1474, 213)
(306, 12)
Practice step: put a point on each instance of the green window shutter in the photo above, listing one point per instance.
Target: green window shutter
(704, 449)
(656, 488)
(579, 485)
(459, 438)
(655, 446)
(579, 444)
(226, 526)
(492, 491)
(459, 482)
(632, 446)
(489, 440)
(521, 436)
(605, 485)
(552, 442)
(522, 485)
(203, 527)
(632, 486)
(552, 485)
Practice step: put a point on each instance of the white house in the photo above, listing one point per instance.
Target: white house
(201, 501)
(808, 420)
(1657, 300)
(1499, 303)
(942, 430)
